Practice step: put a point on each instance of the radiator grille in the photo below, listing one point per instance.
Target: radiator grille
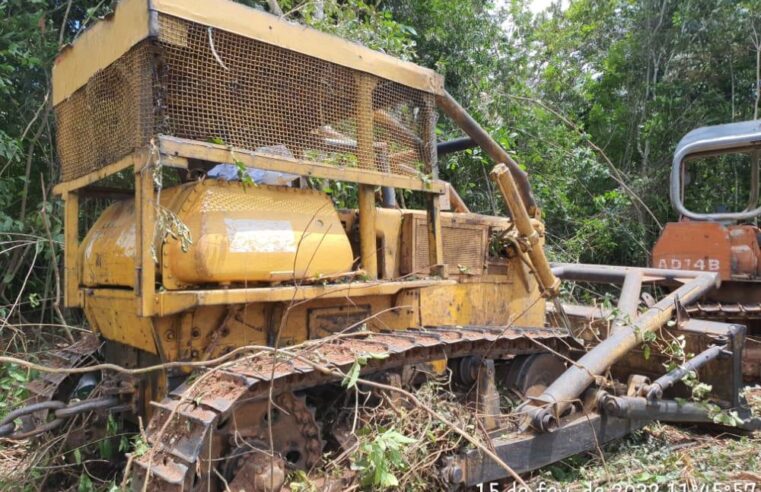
(211, 85)
(464, 246)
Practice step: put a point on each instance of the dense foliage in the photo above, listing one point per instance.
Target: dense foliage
(591, 99)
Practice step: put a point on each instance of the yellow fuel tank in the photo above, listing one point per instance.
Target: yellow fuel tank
(251, 234)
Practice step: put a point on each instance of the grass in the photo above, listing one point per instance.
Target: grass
(661, 456)
(664, 456)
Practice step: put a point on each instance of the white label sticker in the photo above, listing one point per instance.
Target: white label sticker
(260, 236)
(713, 264)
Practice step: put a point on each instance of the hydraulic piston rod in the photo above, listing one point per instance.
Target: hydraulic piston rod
(638, 408)
(503, 176)
(655, 391)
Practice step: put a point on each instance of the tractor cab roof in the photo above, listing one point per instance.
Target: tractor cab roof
(720, 138)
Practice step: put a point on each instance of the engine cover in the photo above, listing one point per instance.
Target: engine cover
(256, 234)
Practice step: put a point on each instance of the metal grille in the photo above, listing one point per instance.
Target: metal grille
(464, 246)
(205, 84)
(109, 117)
(219, 198)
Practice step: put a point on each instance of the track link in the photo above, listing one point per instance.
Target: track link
(725, 311)
(183, 446)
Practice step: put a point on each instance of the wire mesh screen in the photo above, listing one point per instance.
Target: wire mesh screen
(210, 85)
(109, 117)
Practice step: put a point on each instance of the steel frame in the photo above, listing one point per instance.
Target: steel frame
(175, 152)
(604, 416)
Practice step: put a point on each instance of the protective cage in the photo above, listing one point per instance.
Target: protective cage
(190, 79)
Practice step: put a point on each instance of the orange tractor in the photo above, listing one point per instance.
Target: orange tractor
(726, 243)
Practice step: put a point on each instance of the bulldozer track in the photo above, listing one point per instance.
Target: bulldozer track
(748, 314)
(74, 355)
(725, 311)
(180, 448)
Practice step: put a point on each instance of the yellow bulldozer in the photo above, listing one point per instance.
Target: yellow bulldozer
(236, 294)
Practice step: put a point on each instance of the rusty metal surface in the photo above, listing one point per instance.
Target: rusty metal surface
(725, 311)
(295, 432)
(597, 318)
(655, 391)
(45, 387)
(294, 105)
(567, 388)
(751, 364)
(694, 246)
(529, 451)
(183, 446)
(748, 314)
(732, 251)
(640, 408)
(548, 282)
(465, 244)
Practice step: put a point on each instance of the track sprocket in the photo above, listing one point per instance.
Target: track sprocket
(288, 427)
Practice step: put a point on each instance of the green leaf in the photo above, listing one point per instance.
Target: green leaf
(112, 426)
(351, 377)
(105, 449)
(19, 376)
(387, 480)
(139, 446)
(34, 299)
(85, 483)
(378, 459)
